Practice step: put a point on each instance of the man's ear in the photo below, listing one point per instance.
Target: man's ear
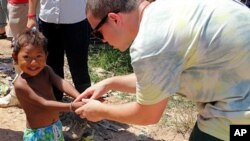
(14, 56)
(115, 17)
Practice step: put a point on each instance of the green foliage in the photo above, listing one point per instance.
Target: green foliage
(109, 59)
(94, 77)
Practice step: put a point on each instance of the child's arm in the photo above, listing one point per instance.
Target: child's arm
(28, 97)
(62, 84)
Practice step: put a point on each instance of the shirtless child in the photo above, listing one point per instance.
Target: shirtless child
(34, 88)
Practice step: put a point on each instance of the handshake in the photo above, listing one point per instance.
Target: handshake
(89, 104)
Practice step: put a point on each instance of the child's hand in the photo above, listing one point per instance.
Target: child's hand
(76, 105)
(101, 99)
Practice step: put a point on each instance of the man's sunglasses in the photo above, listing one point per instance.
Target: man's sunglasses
(95, 31)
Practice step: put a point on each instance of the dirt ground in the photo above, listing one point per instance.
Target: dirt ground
(12, 121)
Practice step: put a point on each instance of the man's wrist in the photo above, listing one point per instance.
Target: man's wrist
(108, 83)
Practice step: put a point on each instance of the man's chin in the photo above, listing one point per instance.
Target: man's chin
(121, 49)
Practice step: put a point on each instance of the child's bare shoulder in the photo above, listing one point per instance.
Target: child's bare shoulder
(20, 85)
(48, 68)
(19, 82)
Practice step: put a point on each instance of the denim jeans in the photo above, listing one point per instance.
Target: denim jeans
(198, 135)
(72, 40)
(3, 13)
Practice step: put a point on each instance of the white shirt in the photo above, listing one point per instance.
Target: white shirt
(199, 49)
(62, 11)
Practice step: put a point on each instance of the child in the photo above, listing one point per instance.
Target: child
(34, 88)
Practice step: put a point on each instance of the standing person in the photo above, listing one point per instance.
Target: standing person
(194, 48)
(64, 24)
(18, 16)
(33, 88)
(3, 18)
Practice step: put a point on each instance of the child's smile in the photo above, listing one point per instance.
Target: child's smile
(31, 59)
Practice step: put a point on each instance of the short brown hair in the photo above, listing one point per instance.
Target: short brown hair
(29, 36)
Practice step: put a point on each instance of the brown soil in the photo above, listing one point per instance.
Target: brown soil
(12, 122)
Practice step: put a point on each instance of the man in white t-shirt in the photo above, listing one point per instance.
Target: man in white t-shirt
(196, 48)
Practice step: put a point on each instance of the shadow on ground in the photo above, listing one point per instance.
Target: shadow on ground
(10, 135)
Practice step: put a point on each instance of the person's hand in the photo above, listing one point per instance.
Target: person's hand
(76, 105)
(31, 22)
(91, 110)
(93, 92)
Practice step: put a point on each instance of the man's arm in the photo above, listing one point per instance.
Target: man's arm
(132, 113)
(126, 83)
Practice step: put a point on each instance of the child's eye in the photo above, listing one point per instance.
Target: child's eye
(26, 57)
(39, 56)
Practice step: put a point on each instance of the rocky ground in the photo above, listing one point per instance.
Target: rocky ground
(12, 119)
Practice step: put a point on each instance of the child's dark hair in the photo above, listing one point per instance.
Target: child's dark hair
(29, 36)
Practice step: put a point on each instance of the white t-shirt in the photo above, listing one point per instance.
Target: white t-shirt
(199, 49)
(62, 11)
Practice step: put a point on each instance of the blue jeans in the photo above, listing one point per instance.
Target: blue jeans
(73, 40)
(198, 135)
(3, 13)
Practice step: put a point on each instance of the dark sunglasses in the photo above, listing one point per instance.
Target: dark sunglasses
(95, 31)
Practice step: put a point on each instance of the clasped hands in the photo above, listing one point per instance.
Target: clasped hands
(92, 108)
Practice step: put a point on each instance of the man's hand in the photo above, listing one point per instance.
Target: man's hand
(91, 110)
(93, 92)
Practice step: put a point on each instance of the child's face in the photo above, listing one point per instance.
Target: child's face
(31, 60)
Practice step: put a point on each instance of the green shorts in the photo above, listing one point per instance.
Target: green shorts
(49, 133)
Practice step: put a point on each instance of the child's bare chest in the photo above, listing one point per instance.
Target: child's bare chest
(42, 86)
